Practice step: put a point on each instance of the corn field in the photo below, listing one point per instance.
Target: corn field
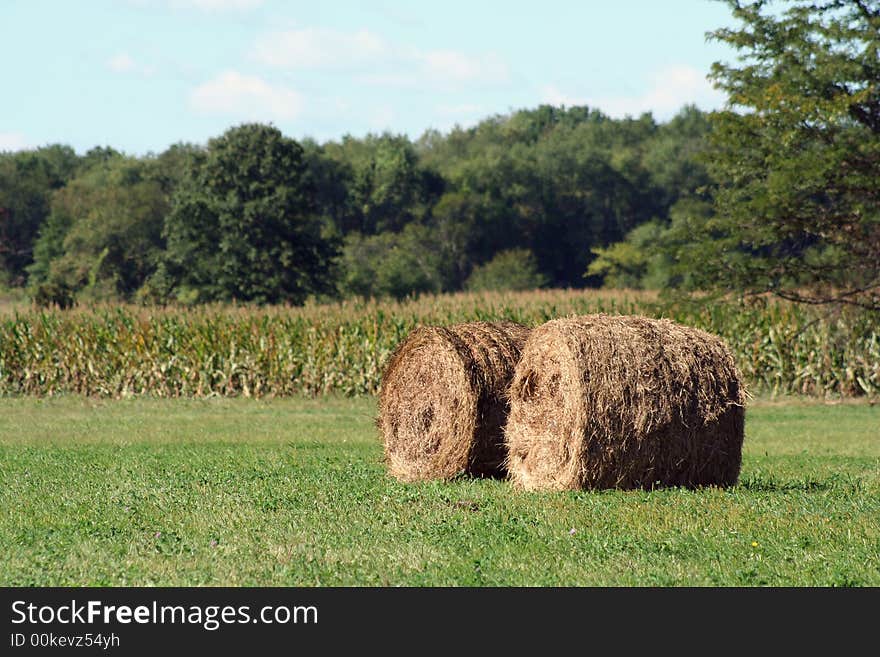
(120, 351)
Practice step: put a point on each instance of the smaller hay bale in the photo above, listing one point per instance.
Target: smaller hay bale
(443, 400)
(603, 401)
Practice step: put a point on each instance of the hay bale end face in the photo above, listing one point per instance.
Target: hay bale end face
(443, 400)
(605, 401)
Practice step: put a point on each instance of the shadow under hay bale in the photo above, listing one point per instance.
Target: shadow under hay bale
(443, 400)
(605, 401)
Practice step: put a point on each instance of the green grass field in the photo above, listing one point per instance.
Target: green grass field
(293, 492)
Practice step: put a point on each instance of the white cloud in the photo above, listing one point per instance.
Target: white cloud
(460, 110)
(443, 69)
(123, 63)
(246, 97)
(120, 63)
(385, 64)
(382, 118)
(464, 115)
(219, 5)
(313, 48)
(13, 141)
(453, 67)
(670, 89)
(552, 95)
(203, 5)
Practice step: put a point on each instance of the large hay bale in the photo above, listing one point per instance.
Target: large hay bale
(605, 401)
(443, 400)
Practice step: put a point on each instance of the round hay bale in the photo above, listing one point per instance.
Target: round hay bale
(605, 401)
(443, 400)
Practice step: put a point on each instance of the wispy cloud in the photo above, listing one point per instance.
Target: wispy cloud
(378, 61)
(13, 141)
(313, 48)
(123, 63)
(202, 5)
(120, 63)
(450, 66)
(460, 110)
(552, 95)
(463, 115)
(218, 5)
(670, 89)
(382, 118)
(246, 97)
(446, 70)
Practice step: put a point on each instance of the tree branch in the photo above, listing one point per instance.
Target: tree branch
(847, 298)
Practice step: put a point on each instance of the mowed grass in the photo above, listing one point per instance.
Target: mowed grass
(294, 492)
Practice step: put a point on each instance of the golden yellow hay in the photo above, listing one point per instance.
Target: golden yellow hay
(603, 401)
(443, 400)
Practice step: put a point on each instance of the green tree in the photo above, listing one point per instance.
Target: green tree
(630, 263)
(592, 189)
(645, 259)
(796, 158)
(333, 175)
(243, 225)
(173, 164)
(674, 157)
(515, 269)
(49, 244)
(392, 264)
(103, 235)
(554, 181)
(387, 186)
(27, 182)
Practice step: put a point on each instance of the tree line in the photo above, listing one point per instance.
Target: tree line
(517, 201)
(779, 192)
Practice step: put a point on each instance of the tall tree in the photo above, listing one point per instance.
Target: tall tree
(104, 230)
(243, 224)
(27, 182)
(392, 264)
(796, 157)
(371, 185)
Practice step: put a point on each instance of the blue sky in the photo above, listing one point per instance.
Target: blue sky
(140, 75)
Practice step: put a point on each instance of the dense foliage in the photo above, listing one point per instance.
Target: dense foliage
(797, 164)
(792, 204)
(243, 224)
(777, 193)
(256, 216)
